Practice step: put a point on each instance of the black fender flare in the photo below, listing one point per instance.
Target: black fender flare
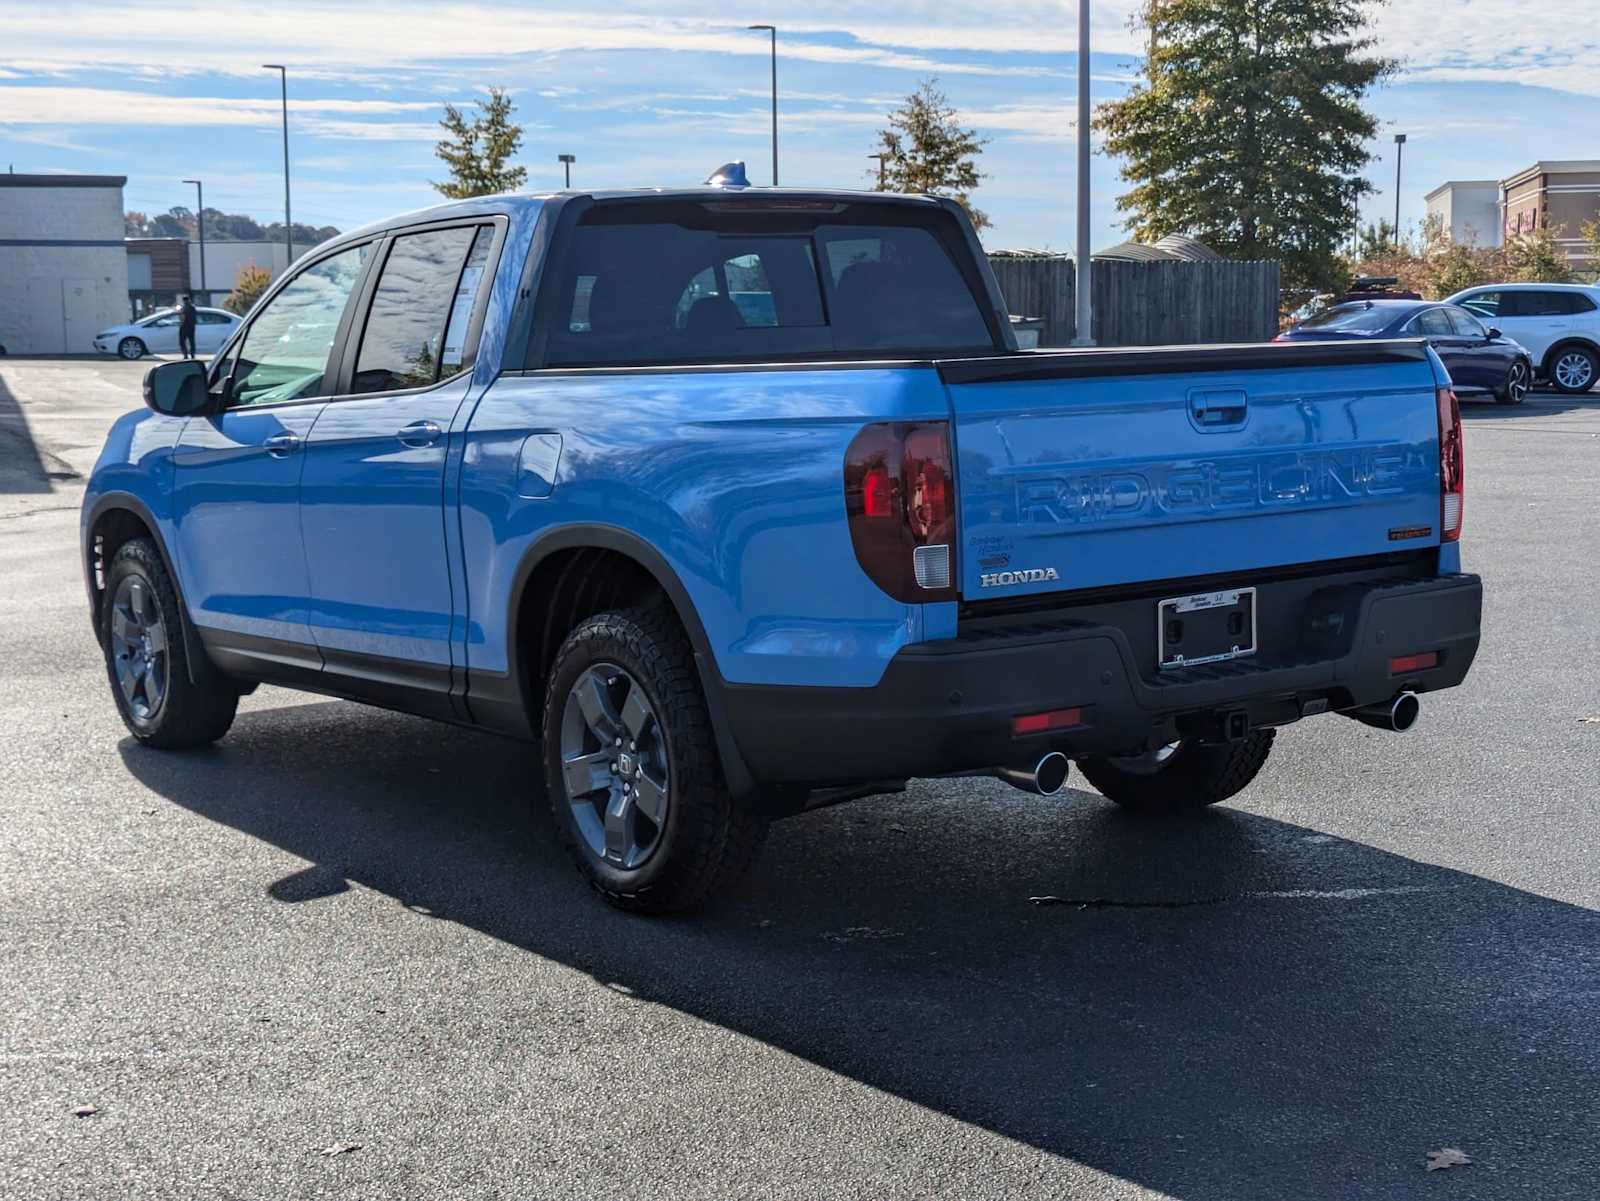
(194, 650)
(624, 542)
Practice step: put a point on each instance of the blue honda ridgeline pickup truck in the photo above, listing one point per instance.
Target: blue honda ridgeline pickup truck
(744, 501)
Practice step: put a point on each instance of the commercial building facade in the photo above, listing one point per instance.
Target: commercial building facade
(160, 270)
(1561, 195)
(63, 261)
(1467, 210)
(1558, 194)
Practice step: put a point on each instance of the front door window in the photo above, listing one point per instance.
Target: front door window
(285, 350)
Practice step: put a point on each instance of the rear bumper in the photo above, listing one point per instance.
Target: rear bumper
(947, 706)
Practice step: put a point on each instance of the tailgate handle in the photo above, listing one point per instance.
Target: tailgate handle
(1218, 410)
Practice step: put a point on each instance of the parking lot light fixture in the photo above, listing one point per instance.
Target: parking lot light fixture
(200, 220)
(1399, 152)
(773, 30)
(566, 161)
(288, 221)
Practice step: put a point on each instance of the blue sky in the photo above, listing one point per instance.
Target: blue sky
(654, 93)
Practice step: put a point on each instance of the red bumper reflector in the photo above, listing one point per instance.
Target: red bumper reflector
(1038, 723)
(1405, 663)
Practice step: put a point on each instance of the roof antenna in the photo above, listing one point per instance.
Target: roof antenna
(729, 175)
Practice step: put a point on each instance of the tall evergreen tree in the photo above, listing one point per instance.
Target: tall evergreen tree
(1248, 130)
(477, 151)
(926, 151)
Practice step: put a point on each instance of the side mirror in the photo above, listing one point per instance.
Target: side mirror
(1494, 333)
(177, 389)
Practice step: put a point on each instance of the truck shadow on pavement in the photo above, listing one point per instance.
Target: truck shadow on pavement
(1221, 1008)
(22, 469)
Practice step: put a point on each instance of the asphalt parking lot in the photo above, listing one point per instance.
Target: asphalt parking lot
(346, 930)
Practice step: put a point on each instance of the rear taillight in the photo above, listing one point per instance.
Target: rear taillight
(1452, 467)
(900, 498)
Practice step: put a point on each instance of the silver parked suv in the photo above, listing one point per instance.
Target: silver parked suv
(1558, 323)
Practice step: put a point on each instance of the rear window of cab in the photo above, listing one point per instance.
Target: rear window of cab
(719, 282)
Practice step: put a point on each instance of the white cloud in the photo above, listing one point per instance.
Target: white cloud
(51, 105)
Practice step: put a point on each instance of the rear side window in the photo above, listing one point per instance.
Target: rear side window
(1535, 303)
(1432, 323)
(708, 283)
(420, 310)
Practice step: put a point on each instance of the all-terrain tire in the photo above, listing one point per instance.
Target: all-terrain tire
(706, 841)
(188, 714)
(1193, 776)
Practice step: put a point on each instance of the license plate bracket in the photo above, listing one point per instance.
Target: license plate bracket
(1205, 627)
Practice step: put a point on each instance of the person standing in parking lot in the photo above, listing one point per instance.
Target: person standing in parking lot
(186, 320)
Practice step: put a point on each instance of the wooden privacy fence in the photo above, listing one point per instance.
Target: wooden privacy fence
(1146, 304)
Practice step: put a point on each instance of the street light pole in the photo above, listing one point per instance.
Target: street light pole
(883, 159)
(288, 221)
(200, 218)
(1399, 153)
(773, 30)
(1084, 332)
(566, 161)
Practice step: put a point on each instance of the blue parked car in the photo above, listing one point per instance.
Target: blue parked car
(1480, 359)
(737, 502)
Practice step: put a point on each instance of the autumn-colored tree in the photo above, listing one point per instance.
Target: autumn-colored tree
(1591, 244)
(1536, 257)
(248, 287)
(478, 151)
(927, 152)
(1248, 128)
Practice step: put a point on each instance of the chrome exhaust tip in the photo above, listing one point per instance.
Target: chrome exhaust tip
(1045, 778)
(1400, 714)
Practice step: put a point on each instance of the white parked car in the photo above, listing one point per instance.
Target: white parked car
(1558, 323)
(158, 334)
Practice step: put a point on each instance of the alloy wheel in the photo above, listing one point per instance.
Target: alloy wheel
(1517, 382)
(139, 648)
(1574, 370)
(614, 765)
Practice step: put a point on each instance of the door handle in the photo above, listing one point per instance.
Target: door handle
(280, 445)
(1219, 410)
(419, 433)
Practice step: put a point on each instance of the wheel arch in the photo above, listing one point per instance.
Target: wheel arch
(548, 599)
(117, 518)
(1567, 343)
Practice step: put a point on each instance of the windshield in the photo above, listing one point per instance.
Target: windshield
(156, 316)
(1352, 318)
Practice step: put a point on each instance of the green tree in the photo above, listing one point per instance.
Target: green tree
(1248, 129)
(478, 151)
(1537, 257)
(927, 152)
(1591, 243)
(248, 286)
(1375, 240)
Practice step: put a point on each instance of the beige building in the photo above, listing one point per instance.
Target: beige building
(1467, 210)
(63, 268)
(1561, 195)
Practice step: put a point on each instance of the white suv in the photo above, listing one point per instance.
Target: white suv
(1558, 323)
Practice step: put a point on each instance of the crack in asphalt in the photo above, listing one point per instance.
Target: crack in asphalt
(41, 509)
(1313, 894)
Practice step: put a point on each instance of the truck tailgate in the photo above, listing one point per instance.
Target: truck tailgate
(1083, 469)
